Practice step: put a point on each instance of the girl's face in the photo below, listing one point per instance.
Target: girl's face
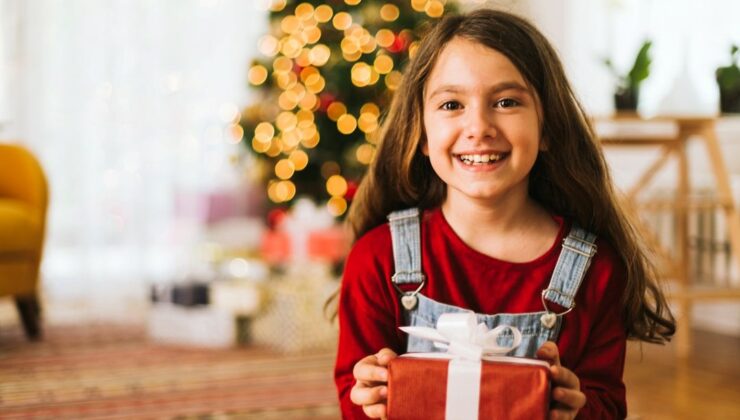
(482, 123)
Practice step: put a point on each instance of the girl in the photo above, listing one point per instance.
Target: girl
(500, 202)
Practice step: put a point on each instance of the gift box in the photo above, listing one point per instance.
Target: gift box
(472, 380)
(293, 319)
(199, 326)
(510, 388)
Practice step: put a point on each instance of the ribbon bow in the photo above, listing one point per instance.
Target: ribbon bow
(464, 338)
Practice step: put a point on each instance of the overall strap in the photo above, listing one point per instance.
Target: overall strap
(575, 258)
(406, 239)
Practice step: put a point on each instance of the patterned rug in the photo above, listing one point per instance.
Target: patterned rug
(109, 371)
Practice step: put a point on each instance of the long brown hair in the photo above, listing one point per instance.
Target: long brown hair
(570, 178)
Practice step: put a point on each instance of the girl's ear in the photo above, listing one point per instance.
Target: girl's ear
(424, 147)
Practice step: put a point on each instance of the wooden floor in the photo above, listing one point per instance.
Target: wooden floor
(705, 386)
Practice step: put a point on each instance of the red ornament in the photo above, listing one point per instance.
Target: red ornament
(399, 44)
(275, 217)
(325, 99)
(351, 190)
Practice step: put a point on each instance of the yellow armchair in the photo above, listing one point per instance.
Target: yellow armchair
(23, 203)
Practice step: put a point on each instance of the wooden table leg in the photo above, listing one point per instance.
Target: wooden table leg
(683, 333)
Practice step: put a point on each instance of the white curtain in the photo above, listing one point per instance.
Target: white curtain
(128, 105)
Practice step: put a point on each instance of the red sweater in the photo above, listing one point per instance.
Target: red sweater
(592, 339)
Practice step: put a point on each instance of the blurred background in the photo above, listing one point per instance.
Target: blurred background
(200, 155)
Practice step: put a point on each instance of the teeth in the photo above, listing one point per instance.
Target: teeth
(477, 159)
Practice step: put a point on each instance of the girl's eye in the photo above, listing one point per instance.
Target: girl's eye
(507, 103)
(450, 106)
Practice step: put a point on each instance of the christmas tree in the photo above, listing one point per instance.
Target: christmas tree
(327, 72)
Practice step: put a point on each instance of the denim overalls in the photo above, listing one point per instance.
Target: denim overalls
(536, 327)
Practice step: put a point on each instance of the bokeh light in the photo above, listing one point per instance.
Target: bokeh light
(385, 38)
(290, 24)
(336, 186)
(434, 8)
(264, 132)
(323, 13)
(367, 122)
(342, 21)
(319, 55)
(282, 64)
(286, 120)
(304, 11)
(284, 168)
(257, 75)
(389, 12)
(365, 154)
(335, 110)
(361, 74)
(383, 64)
(346, 124)
(393, 80)
(299, 159)
(278, 5)
(337, 206)
(418, 5)
(371, 108)
(268, 45)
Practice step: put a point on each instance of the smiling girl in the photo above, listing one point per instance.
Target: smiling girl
(497, 200)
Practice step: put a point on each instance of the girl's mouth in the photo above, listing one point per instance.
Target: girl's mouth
(481, 159)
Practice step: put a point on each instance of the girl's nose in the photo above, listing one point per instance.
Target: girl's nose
(479, 124)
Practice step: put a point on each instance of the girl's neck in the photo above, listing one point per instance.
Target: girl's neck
(522, 228)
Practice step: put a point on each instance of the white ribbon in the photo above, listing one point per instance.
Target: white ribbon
(467, 343)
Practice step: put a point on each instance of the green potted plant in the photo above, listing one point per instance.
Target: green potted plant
(728, 80)
(627, 93)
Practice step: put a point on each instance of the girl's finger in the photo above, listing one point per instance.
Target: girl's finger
(365, 395)
(375, 411)
(549, 351)
(385, 355)
(370, 372)
(563, 376)
(569, 397)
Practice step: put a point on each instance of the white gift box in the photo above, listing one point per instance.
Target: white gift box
(203, 326)
(237, 297)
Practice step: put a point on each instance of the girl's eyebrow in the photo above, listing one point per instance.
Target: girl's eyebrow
(498, 87)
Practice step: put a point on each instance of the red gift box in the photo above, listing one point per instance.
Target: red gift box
(510, 388)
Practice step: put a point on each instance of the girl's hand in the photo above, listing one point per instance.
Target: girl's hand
(371, 389)
(566, 390)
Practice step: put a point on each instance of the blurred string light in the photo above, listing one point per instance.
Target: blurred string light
(389, 12)
(342, 21)
(347, 124)
(337, 186)
(235, 133)
(298, 56)
(284, 169)
(280, 191)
